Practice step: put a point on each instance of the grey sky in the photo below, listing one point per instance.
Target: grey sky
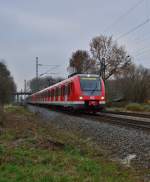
(51, 30)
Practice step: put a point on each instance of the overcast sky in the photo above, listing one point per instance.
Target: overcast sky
(53, 29)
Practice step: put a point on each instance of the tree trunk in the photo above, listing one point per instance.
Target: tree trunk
(1, 114)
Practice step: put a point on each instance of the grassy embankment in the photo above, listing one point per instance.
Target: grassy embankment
(130, 107)
(32, 151)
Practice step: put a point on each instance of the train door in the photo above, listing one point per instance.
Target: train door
(59, 93)
(71, 91)
(49, 95)
(66, 93)
(52, 95)
(54, 98)
(62, 93)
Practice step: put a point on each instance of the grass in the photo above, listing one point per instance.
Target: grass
(132, 107)
(30, 151)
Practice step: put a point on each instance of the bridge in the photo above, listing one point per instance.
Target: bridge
(20, 96)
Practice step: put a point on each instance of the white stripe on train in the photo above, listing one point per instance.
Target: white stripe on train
(62, 102)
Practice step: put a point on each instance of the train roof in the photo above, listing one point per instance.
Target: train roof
(66, 80)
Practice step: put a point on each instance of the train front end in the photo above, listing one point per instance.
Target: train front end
(92, 92)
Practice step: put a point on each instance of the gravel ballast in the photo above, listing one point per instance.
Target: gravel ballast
(130, 146)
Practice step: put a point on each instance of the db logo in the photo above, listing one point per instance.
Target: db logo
(92, 97)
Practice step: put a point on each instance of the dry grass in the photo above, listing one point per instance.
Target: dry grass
(31, 150)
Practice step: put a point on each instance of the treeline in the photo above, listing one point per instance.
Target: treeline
(104, 55)
(131, 86)
(124, 80)
(43, 82)
(7, 87)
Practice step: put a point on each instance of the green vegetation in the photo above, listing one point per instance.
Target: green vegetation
(137, 107)
(7, 85)
(130, 107)
(30, 151)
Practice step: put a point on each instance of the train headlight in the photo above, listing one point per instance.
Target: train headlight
(102, 98)
(80, 97)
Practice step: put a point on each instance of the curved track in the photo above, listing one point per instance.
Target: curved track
(126, 120)
(128, 113)
(136, 120)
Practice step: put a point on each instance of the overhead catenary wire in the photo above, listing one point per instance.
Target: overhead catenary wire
(137, 40)
(146, 21)
(124, 15)
(142, 52)
(146, 9)
(133, 29)
(136, 27)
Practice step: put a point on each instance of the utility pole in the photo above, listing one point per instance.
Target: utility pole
(25, 88)
(25, 85)
(37, 73)
(102, 68)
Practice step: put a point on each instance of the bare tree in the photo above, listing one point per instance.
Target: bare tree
(81, 61)
(116, 57)
(134, 84)
(43, 82)
(138, 81)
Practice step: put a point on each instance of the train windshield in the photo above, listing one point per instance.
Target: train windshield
(90, 85)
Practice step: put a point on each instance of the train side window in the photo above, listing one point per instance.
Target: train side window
(59, 91)
(66, 90)
(68, 93)
(71, 87)
(55, 92)
(52, 93)
(63, 90)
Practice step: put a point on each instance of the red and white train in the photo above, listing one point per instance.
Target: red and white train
(81, 91)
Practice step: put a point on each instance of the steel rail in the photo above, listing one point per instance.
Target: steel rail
(136, 122)
(129, 113)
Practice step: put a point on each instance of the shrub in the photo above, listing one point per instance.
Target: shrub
(147, 108)
(134, 107)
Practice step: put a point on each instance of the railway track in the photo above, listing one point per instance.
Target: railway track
(128, 113)
(138, 122)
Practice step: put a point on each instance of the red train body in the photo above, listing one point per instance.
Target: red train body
(82, 91)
